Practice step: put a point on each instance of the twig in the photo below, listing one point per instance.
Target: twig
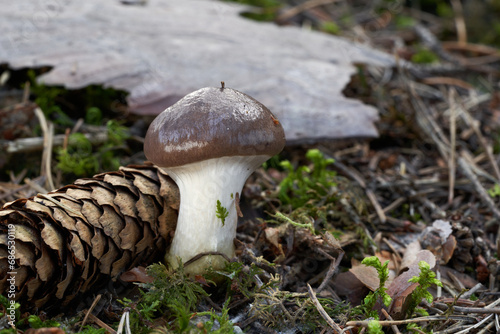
(476, 325)
(394, 205)
(26, 92)
(101, 323)
(459, 21)
(447, 81)
(487, 328)
(35, 186)
(378, 209)
(475, 168)
(357, 220)
(322, 311)
(353, 174)
(491, 54)
(471, 291)
(294, 11)
(331, 271)
(428, 203)
(474, 124)
(453, 141)
(124, 324)
(388, 316)
(430, 126)
(89, 311)
(434, 44)
(464, 165)
(364, 323)
(36, 143)
(48, 136)
(479, 310)
(37, 181)
(439, 289)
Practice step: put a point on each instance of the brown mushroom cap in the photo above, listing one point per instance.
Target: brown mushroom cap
(212, 123)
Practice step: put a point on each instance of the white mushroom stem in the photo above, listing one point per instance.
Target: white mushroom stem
(199, 230)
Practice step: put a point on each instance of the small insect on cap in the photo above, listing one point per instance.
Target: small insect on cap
(212, 123)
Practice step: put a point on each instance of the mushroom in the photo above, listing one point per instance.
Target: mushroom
(210, 142)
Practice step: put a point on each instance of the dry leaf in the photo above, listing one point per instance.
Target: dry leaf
(137, 274)
(439, 240)
(410, 255)
(369, 276)
(348, 285)
(400, 288)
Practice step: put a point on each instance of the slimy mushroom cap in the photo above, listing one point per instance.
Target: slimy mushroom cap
(210, 123)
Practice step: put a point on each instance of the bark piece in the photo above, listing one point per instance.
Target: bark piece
(174, 50)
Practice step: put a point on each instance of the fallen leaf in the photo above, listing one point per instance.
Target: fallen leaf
(410, 255)
(400, 283)
(366, 275)
(201, 279)
(400, 288)
(482, 271)
(137, 274)
(465, 279)
(348, 285)
(369, 276)
(439, 240)
(448, 248)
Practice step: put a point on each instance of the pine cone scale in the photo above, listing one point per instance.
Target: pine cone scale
(80, 236)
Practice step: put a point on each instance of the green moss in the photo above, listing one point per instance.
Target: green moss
(425, 279)
(81, 159)
(374, 327)
(172, 295)
(424, 56)
(91, 330)
(267, 10)
(304, 183)
(368, 306)
(495, 191)
(330, 27)
(221, 212)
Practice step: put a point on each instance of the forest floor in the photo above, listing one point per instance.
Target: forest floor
(423, 197)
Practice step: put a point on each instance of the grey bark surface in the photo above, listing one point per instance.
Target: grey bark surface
(167, 48)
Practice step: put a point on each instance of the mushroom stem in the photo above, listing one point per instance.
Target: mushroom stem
(199, 230)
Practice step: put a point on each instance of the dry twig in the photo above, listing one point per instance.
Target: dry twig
(322, 311)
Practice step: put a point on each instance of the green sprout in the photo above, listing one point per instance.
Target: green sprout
(380, 293)
(495, 191)
(171, 294)
(282, 218)
(93, 116)
(425, 279)
(304, 184)
(424, 56)
(374, 327)
(224, 324)
(5, 302)
(221, 212)
(88, 329)
(81, 159)
(36, 322)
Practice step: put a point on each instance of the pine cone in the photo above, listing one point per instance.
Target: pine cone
(77, 238)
